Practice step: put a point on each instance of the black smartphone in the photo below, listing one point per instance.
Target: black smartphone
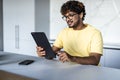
(26, 62)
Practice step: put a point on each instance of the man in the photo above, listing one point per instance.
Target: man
(81, 42)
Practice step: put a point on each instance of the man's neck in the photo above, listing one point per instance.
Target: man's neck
(80, 27)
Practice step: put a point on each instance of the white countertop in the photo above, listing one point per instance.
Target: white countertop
(112, 46)
(43, 69)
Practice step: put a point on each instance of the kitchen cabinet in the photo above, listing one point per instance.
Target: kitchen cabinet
(1, 26)
(20, 18)
(111, 57)
(19, 22)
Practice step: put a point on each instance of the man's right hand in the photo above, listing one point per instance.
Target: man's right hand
(40, 51)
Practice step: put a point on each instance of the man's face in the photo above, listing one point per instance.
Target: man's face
(72, 19)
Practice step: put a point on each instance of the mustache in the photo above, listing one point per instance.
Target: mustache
(69, 21)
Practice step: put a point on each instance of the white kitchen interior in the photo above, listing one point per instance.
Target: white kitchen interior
(21, 17)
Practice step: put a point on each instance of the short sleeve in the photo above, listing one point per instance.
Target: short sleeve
(97, 43)
(58, 42)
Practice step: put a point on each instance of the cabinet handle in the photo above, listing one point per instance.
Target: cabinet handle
(17, 36)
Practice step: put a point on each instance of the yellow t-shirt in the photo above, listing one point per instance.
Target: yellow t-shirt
(80, 42)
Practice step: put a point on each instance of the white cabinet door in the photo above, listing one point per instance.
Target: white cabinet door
(112, 58)
(19, 22)
(9, 19)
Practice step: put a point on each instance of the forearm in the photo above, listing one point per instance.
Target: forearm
(91, 60)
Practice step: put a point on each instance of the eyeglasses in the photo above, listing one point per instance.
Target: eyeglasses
(69, 16)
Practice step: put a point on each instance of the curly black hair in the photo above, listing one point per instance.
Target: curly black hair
(74, 6)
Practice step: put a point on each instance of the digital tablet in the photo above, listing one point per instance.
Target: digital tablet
(41, 40)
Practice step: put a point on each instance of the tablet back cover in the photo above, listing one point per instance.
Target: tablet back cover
(41, 40)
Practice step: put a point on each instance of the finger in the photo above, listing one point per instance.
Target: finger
(63, 58)
(43, 52)
(58, 53)
(39, 48)
(61, 54)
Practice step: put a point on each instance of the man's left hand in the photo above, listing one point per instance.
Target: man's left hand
(63, 56)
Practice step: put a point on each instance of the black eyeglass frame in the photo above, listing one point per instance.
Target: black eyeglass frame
(69, 16)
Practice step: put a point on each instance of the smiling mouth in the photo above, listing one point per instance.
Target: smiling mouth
(69, 22)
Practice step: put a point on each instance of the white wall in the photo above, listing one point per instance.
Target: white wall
(42, 11)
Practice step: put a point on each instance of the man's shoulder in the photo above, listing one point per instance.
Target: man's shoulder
(92, 28)
(66, 29)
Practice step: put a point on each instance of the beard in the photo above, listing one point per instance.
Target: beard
(72, 24)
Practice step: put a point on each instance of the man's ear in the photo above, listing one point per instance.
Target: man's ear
(81, 15)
